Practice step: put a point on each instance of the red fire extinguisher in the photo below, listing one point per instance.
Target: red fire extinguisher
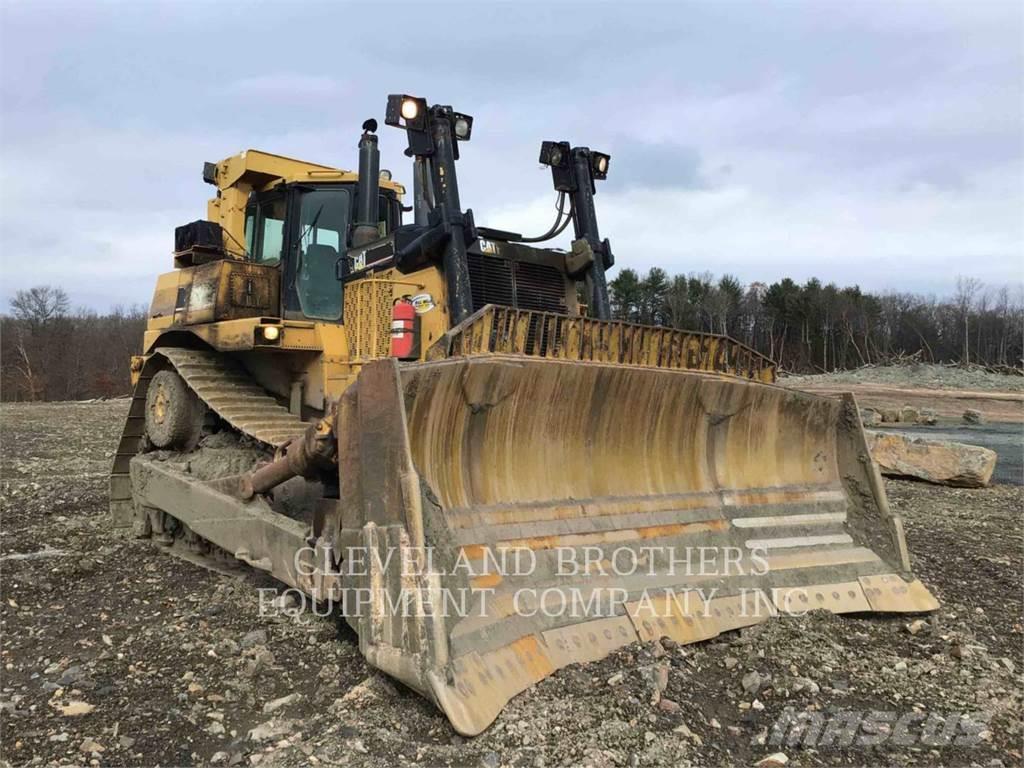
(403, 329)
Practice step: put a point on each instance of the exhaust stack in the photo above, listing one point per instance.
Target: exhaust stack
(365, 229)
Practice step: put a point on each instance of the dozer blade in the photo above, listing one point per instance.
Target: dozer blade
(517, 515)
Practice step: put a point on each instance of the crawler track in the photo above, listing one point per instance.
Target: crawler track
(226, 389)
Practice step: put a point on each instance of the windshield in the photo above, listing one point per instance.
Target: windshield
(323, 232)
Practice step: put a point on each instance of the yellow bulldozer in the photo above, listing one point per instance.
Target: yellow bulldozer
(438, 429)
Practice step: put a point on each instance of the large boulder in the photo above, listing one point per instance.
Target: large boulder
(936, 461)
(870, 417)
(909, 414)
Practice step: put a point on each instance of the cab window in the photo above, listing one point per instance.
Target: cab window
(264, 229)
(323, 233)
(389, 211)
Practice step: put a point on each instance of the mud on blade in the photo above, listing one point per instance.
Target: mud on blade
(519, 515)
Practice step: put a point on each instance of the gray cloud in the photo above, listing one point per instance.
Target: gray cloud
(657, 165)
(857, 141)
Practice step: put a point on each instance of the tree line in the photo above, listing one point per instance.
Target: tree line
(50, 352)
(818, 327)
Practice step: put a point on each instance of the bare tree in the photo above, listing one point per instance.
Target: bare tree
(41, 338)
(23, 366)
(40, 304)
(966, 289)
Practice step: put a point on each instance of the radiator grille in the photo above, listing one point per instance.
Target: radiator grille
(539, 287)
(490, 281)
(368, 318)
(519, 284)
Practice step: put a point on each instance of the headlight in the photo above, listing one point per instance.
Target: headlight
(410, 109)
(385, 175)
(554, 153)
(271, 332)
(406, 112)
(462, 125)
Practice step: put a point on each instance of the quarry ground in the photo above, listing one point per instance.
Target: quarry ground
(948, 391)
(115, 653)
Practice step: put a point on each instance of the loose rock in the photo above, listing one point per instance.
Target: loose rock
(972, 416)
(272, 729)
(870, 417)
(909, 414)
(667, 705)
(916, 626)
(284, 701)
(376, 686)
(253, 639)
(752, 682)
(76, 708)
(91, 746)
(936, 461)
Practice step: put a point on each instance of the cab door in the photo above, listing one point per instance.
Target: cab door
(319, 219)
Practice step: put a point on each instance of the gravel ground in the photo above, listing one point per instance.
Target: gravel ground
(921, 376)
(115, 653)
(947, 392)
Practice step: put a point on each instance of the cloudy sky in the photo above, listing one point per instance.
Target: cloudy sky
(870, 142)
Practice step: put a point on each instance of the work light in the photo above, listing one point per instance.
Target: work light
(406, 112)
(599, 164)
(558, 155)
(462, 126)
(554, 153)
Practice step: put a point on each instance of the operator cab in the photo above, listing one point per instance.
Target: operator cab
(305, 228)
